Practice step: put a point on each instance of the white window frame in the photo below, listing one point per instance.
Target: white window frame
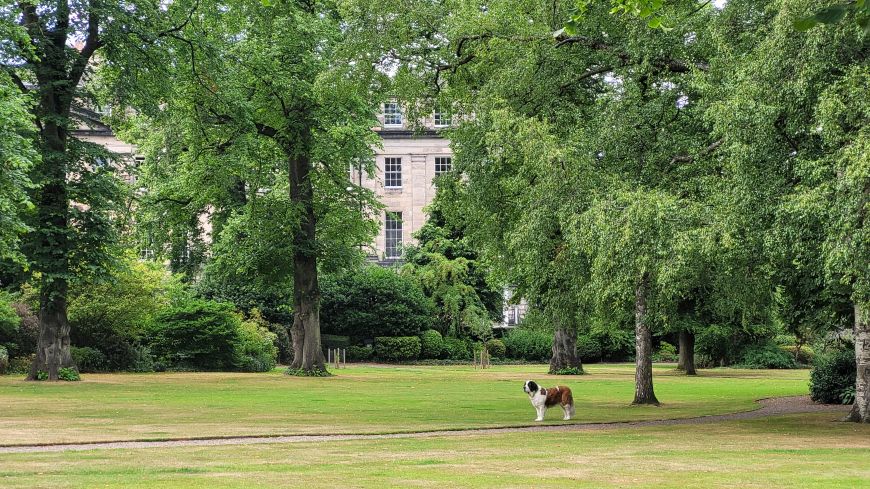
(392, 172)
(393, 234)
(442, 167)
(439, 119)
(392, 113)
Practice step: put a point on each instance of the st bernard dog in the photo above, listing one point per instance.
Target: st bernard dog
(543, 398)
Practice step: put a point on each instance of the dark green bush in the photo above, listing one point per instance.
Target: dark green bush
(9, 320)
(88, 360)
(617, 344)
(359, 353)
(588, 349)
(766, 355)
(431, 344)
(142, 360)
(457, 349)
(25, 341)
(197, 334)
(374, 302)
(666, 353)
(397, 348)
(496, 348)
(529, 344)
(4, 360)
(804, 356)
(832, 377)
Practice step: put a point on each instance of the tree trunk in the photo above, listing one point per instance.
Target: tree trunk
(643, 381)
(861, 409)
(51, 250)
(297, 334)
(306, 290)
(565, 350)
(687, 352)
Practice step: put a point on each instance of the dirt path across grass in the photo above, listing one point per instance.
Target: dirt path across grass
(768, 407)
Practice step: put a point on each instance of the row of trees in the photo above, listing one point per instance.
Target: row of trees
(714, 172)
(711, 173)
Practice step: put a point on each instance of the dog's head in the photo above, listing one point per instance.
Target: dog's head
(530, 387)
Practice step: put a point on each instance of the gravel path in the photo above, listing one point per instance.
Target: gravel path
(769, 407)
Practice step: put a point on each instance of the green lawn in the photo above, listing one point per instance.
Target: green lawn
(365, 399)
(796, 451)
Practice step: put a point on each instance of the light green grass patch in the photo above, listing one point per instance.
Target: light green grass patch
(360, 399)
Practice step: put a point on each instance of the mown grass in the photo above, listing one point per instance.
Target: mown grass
(795, 451)
(360, 399)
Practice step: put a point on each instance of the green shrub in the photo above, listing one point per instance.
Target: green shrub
(431, 344)
(496, 348)
(88, 359)
(832, 378)
(766, 355)
(9, 320)
(24, 343)
(197, 334)
(111, 316)
(142, 360)
(529, 344)
(397, 348)
(570, 371)
(359, 353)
(588, 349)
(721, 343)
(68, 374)
(804, 356)
(334, 341)
(4, 360)
(457, 349)
(21, 364)
(617, 344)
(374, 302)
(256, 348)
(666, 353)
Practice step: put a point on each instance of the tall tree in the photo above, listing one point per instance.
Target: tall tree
(48, 58)
(258, 128)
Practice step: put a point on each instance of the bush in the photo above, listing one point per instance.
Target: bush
(28, 331)
(666, 353)
(804, 356)
(9, 320)
(529, 344)
(496, 348)
(766, 355)
(374, 302)
(112, 316)
(88, 359)
(359, 353)
(431, 344)
(256, 347)
(142, 360)
(397, 348)
(20, 365)
(4, 360)
(588, 349)
(617, 344)
(68, 374)
(457, 349)
(719, 342)
(832, 378)
(197, 334)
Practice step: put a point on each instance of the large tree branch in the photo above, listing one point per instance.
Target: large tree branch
(688, 159)
(92, 43)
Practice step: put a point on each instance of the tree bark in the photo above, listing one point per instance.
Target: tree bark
(51, 249)
(306, 289)
(687, 352)
(861, 409)
(565, 350)
(297, 334)
(643, 381)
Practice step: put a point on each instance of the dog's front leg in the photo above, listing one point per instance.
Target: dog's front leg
(541, 410)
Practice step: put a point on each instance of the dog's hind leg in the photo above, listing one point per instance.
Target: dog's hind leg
(569, 411)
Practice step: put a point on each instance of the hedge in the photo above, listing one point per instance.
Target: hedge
(397, 348)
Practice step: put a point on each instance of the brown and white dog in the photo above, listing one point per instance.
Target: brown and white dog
(543, 398)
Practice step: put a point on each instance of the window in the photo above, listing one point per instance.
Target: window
(393, 232)
(512, 316)
(443, 164)
(393, 172)
(392, 114)
(441, 119)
